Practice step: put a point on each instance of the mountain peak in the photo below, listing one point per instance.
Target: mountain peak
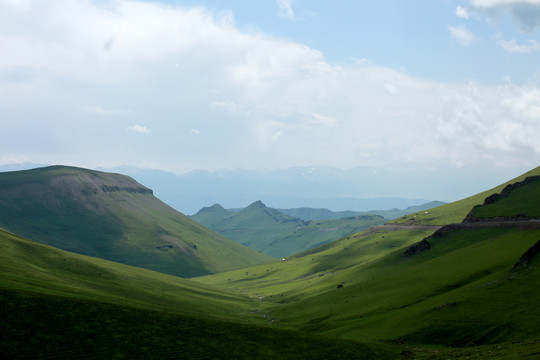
(257, 205)
(211, 209)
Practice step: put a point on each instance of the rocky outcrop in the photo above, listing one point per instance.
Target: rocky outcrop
(527, 256)
(134, 189)
(417, 248)
(496, 197)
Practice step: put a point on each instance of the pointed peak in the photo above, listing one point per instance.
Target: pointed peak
(213, 208)
(257, 205)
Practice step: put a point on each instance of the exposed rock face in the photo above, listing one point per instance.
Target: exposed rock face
(508, 189)
(528, 255)
(417, 248)
(496, 197)
(138, 189)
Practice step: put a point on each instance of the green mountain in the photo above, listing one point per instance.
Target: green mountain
(312, 214)
(276, 234)
(464, 284)
(111, 216)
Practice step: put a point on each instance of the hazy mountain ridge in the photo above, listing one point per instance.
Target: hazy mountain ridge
(360, 189)
(114, 217)
(314, 187)
(325, 214)
(275, 233)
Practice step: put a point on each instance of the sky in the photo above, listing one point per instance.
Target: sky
(179, 85)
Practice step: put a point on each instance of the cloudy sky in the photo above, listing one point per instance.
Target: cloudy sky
(181, 85)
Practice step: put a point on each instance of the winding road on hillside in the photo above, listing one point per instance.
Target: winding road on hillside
(520, 223)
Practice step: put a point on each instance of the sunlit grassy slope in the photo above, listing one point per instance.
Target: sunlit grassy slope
(462, 291)
(457, 211)
(522, 201)
(111, 216)
(56, 304)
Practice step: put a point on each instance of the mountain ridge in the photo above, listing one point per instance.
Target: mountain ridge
(277, 234)
(114, 217)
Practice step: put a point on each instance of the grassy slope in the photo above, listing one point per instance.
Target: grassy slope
(30, 266)
(69, 208)
(56, 304)
(522, 202)
(276, 234)
(461, 292)
(455, 212)
(38, 327)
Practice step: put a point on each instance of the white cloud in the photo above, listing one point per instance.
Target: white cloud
(461, 34)
(512, 46)
(525, 12)
(391, 89)
(462, 12)
(494, 3)
(284, 103)
(229, 106)
(6, 159)
(324, 120)
(285, 9)
(523, 102)
(96, 109)
(139, 129)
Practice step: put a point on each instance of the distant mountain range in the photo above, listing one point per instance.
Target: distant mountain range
(312, 187)
(277, 234)
(111, 216)
(308, 214)
(356, 189)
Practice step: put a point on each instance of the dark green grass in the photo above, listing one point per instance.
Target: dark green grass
(33, 267)
(48, 327)
(529, 349)
(523, 201)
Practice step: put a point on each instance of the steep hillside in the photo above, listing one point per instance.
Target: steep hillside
(29, 266)
(467, 284)
(111, 216)
(276, 234)
(59, 305)
(518, 200)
